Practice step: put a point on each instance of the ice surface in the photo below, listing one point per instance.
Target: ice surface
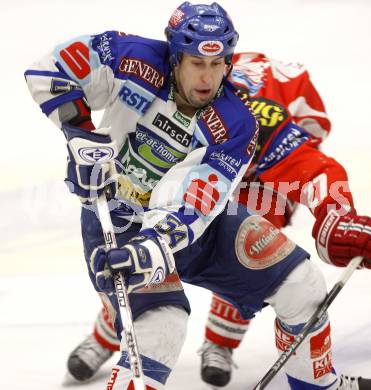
(46, 300)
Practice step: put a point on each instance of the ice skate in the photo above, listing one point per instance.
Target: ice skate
(86, 359)
(216, 364)
(354, 383)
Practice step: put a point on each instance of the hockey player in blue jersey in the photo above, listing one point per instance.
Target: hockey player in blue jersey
(175, 140)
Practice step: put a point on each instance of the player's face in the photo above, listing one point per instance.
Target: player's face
(198, 78)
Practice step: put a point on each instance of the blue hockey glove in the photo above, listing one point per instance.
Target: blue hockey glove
(145, 259)
(91, 166)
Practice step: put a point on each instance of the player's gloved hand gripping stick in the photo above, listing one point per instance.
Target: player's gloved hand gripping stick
(122, 297)
(318, 314)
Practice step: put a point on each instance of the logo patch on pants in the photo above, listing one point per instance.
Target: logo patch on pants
(323, 366)
(283, 338)
(259, 244)
(320, 343)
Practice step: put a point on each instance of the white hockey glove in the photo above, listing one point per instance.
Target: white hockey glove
(145, 259)
(91, 166)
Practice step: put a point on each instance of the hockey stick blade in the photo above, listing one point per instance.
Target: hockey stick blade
(318, 314)
(122, 297)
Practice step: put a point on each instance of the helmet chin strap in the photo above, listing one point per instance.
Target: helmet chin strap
(230, 68)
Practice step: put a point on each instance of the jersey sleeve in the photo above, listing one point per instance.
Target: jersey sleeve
(302, 99)
(289, 84)
(192, 193)
(309, 177)
(95, 67)
(73, 70)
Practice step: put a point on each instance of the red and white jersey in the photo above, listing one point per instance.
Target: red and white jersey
(293, 123)
(286, 83)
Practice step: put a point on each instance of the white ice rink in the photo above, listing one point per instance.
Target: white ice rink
(46, 301)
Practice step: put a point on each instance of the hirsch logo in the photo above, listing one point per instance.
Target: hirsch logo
(170, 128)
(94, 155)
(210, 48)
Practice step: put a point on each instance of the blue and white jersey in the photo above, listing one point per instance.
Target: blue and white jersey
(179, 171)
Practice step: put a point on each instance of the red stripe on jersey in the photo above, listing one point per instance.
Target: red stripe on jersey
(220, 340)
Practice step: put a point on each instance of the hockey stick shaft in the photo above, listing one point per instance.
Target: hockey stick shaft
(318, 314)
(122, 297)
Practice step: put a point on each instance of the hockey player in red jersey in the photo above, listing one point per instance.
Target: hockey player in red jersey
(178, 121)
(281, 92)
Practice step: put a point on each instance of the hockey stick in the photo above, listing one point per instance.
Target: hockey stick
(321, 310)
(122, 297)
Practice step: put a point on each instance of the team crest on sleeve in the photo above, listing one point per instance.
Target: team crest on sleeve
(259, 244)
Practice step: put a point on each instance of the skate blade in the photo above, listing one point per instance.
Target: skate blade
(69, 380)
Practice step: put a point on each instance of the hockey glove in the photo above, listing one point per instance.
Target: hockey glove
(339, 238)
(91, 165)
(145, 259)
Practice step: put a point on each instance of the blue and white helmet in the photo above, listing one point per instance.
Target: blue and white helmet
(200, 30)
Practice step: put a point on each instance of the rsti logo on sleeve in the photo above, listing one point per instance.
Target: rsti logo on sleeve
(170, 128)
(135, 97)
